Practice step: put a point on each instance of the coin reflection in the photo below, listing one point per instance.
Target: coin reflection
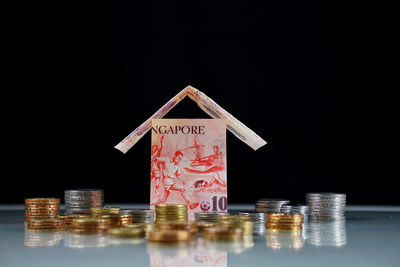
(86, 241)
(277, 239)
(327, 233)
(42, 238)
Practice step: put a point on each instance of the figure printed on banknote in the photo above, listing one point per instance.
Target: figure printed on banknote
(188, 163)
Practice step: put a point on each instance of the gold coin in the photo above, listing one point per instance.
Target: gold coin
(127, 232)
(171, 236)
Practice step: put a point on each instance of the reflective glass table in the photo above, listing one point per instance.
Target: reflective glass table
(370, 236)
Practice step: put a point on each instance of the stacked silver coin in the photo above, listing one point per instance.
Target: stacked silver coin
(270, 205)
(326, 206)
(331, 233)
(208, 216)
(139, 215)
(259, 220)
(80, 201)
(298, 208)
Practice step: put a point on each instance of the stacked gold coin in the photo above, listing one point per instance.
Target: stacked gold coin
(90, 225)
(203, 225)
(237, 221)
(69, 218)
(132, 230)
(223, 234)
(99, 211)
(46, 224)
(42, 208)
(169, 237)
(284, 221)
(177, 225)
(117, 220)
(171, 212)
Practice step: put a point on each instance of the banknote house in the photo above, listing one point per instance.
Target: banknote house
(188, 156)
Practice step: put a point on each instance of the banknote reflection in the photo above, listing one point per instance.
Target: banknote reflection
(195, 254)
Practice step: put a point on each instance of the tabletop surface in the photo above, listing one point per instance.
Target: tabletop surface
(370, 236)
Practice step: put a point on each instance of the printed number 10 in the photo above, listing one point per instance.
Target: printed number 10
(222, 203)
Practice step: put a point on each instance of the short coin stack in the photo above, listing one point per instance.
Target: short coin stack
(90, 226)
(69, 218)
(133, 230)
(117, 220)
(171, 212)
(139, 215)
(326, 206)
(223, 234)
(42, 208)
(299, 208)
(81, 200)
(100, 211)
(187, 226)
(46, 224)
(259, 220)
(169, 237)
(237, 221)
(270, 204)
(208, 216)
(284, 221)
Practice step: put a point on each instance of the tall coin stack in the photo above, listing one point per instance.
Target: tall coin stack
(208, 216)
(145, 216)
(42, 208)
(259, 220)
(171, 212)
(326, 206)
(81, 200)
(269, 205)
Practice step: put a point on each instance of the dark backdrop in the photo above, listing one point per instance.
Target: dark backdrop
(307, 77)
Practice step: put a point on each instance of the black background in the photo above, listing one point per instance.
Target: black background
(309, 78)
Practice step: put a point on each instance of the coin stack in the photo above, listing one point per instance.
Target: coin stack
(259, 220)
(169, 237)
(208, 216)
(237, 221)
(327, 233)
(90, 226)
(326, 206)
(117, 220)
(69, 218)
(223, 234)
(81, 200)
(299, 208)
(46, 224)
(203, 225)
(171, 212)
(42, 208)
(100, 211)
(270, 205)
(139, 215)
(179, 225)
(284, 221)
(137, 231)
